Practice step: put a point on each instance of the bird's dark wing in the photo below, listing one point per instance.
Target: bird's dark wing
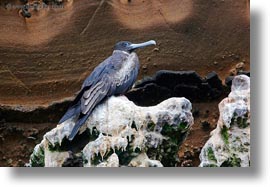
(96, 73)
(104, 81)
(101, 85)
(89, 100)
(75, 106)
(96, 93)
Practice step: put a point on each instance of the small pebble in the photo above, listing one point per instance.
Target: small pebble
(144, 67)
(156, 49)
(240, 65)
(31, 138)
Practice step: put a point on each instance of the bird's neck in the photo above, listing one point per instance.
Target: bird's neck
(122, 52)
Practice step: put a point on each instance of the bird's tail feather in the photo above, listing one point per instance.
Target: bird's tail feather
(77, 126)
(72, 111)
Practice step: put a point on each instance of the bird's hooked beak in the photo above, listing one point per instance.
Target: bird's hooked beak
(141, 45)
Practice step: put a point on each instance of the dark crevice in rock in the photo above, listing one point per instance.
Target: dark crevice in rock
(165, 84)
(74, 160)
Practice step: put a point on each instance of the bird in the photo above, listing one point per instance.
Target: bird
(114, 76)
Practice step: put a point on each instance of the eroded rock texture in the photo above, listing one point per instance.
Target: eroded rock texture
(119, 133)
(46, 57)
(229, 145)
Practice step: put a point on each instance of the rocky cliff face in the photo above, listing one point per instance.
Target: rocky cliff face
(119, 133)
(229, 145)
(46, 57)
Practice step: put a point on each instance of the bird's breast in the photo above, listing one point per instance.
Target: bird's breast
(129, 64)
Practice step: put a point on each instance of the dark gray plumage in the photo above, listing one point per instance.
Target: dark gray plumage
(114, 76)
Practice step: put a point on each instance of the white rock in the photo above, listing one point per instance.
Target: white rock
(55, 159)
(119, 124)
(229, 144)
(112, 161)
(142, 160)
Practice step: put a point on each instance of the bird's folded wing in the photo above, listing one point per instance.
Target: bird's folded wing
(95, 94)
(104, 81)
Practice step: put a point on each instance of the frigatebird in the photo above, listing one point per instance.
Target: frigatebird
(114, 76)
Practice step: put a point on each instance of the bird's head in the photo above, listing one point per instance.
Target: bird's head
(130, 47)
